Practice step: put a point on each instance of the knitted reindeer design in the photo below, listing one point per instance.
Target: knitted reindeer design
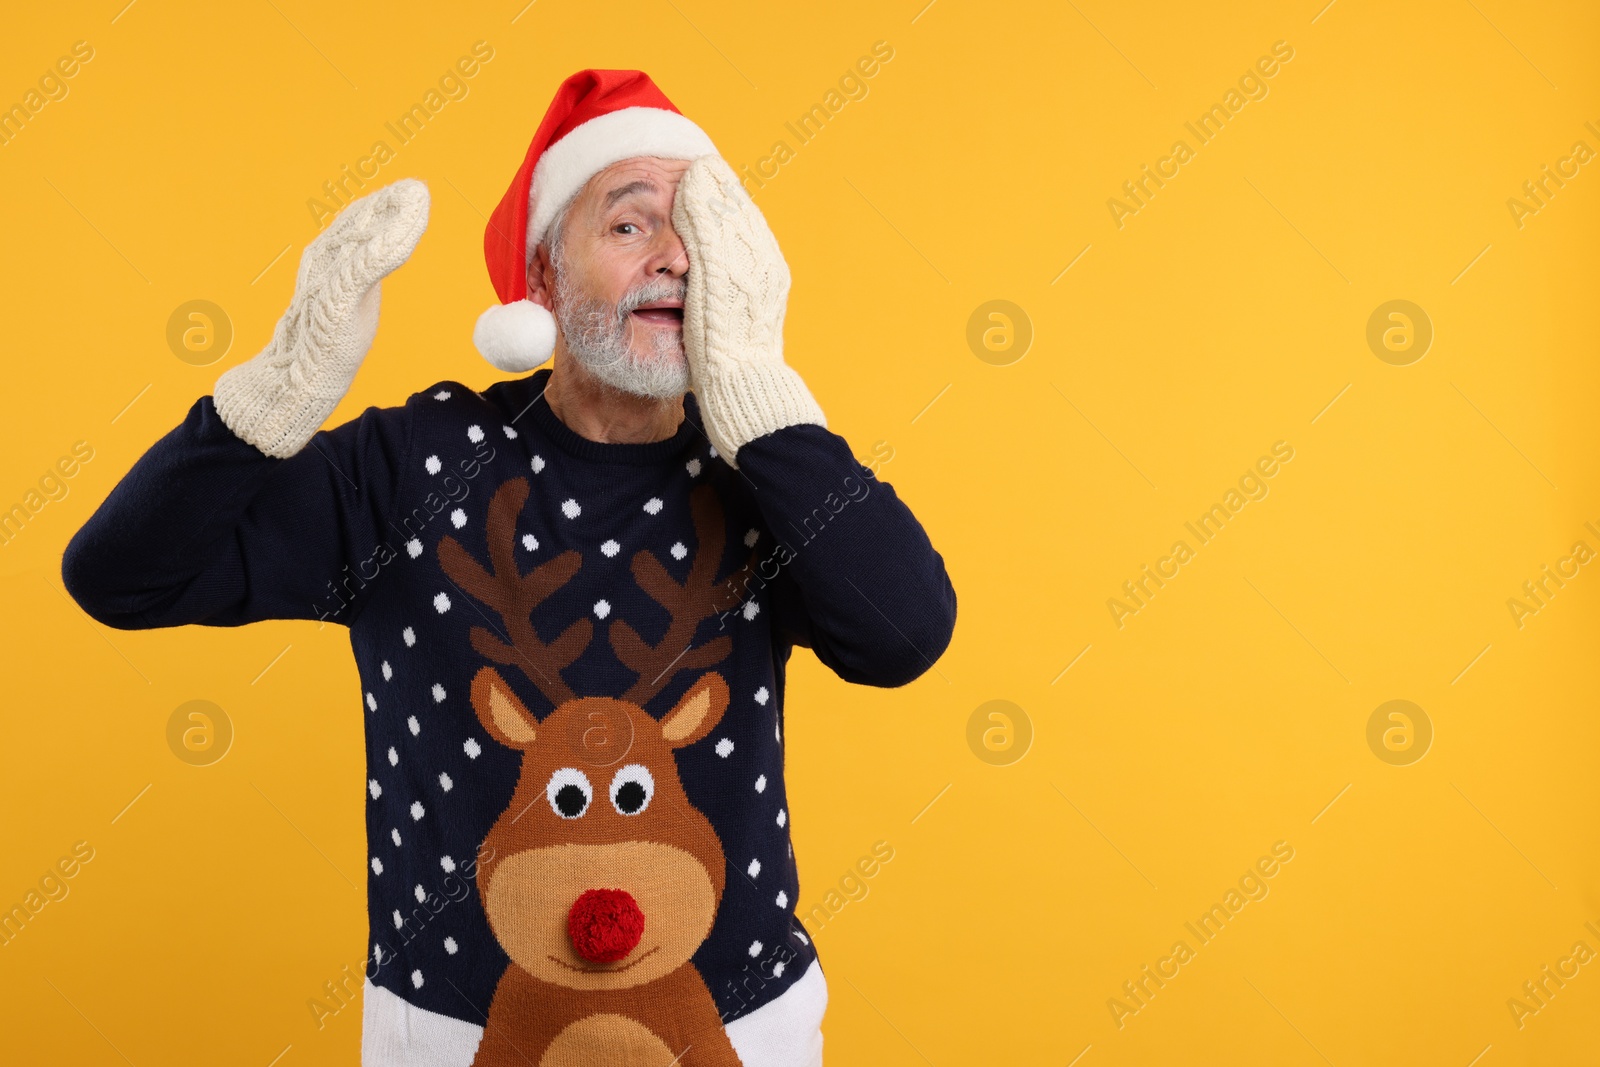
(605, 879)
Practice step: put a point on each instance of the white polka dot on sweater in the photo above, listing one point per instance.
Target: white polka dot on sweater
(388, 671)
(443, 394)
(394, 835)
(471, 748)
(475, 433)
(416, 979)
(438, 693)
(570, 508)
(693, 467)
(761, 695)
(417, 811)
(420, 893)
(441, 603)
(432, 465)
(448, 864)
(377, 865)
(653, 505)
(804, 940)
(602, 608)
(413, 548)
(530, 542)
(394, 757)
(725, 748)
(751, 538)
(458, 518)
(761, 784)
(755, 948)
(783, 816)
(450, 946)
(413, 725)
(377, 954)
(678, 550)
(398, 921)
(445, 783)
(712, 451)
(610, 548)
(538, 464)
(754, 868)
(511, 435)
(751, 610)
(372, 702)
(374, 788)
(409, 636)
(777, 969)
(782, 899)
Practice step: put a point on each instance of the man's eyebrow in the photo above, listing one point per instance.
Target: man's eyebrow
(638, 185)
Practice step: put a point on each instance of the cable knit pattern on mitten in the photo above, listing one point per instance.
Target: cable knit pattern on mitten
(281, 397)
(738, 290)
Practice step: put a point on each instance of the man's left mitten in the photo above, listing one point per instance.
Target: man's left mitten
(280, 398)
(738, 290)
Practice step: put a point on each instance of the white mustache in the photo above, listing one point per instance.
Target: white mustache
(649, 293)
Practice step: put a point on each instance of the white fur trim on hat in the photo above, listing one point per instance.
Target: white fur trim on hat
(568, 164)
(515, 337)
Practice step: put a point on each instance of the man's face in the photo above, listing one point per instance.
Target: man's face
(618, 287)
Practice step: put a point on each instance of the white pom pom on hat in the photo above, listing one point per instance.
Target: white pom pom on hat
(598, 117)
(515, 337)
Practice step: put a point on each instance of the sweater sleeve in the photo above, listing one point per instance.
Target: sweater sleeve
(860, 583)
(206, 529)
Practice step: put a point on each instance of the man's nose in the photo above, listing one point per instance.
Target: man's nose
(673, 259)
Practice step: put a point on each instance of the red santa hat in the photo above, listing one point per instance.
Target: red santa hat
(598, 117)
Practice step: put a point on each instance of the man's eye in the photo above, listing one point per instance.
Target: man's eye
(622, 226)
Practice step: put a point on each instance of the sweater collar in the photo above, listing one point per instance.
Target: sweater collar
(574, 444)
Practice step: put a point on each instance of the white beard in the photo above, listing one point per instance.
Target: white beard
(600, 335)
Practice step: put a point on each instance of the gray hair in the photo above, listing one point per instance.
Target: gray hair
(555, 234)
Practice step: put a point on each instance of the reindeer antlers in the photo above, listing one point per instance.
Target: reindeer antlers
(688, 604)
(514, 595)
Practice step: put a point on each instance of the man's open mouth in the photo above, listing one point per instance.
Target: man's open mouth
(661, 313)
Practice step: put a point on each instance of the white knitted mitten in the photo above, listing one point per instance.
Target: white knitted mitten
(738, 290)
(278, 399)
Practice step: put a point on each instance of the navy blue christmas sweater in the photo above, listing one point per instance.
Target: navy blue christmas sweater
(572, 668)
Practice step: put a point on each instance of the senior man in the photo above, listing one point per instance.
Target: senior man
(571, 599)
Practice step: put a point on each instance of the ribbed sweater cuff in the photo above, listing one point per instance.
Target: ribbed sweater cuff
(753, 400)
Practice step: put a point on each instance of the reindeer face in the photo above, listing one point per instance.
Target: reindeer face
(604, 875)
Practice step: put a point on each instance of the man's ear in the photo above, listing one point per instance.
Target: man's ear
(541, 278)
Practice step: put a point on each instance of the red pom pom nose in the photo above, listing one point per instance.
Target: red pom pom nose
(605, 925)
